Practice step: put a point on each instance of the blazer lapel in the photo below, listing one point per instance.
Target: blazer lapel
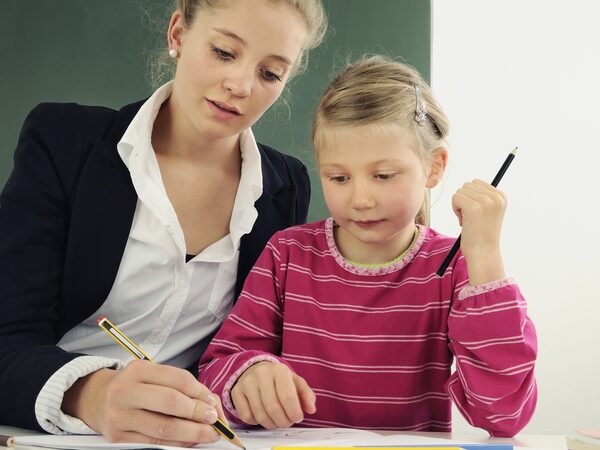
(103, 210)
(276, 211)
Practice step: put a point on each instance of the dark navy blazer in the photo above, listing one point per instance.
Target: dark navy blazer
(65, 216)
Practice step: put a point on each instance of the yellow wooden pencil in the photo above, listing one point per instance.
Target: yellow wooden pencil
(121, 339)
(138, 353)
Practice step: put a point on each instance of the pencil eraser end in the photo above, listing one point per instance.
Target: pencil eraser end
(100, 319)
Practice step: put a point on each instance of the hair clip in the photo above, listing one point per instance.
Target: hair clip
(420, 112)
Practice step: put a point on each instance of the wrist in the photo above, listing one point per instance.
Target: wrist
(484, 266)
(83, 399)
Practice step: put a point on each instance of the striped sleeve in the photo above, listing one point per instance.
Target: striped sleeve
(49, 401)
(495, 346)
(250, 334)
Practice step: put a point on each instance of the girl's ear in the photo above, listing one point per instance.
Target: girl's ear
(175, 31)
(437, 167)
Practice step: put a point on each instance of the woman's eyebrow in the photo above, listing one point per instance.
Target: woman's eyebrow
(232, 35)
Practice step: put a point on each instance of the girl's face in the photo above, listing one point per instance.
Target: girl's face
(233, 64)
(374, 183)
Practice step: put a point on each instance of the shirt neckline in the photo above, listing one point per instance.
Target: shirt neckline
(135, 149)
(393, 266)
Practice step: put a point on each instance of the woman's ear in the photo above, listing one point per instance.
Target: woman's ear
(175, 31)
(437, 167)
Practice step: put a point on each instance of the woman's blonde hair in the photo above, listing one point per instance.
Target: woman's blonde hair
(311, 11)
(379, 91)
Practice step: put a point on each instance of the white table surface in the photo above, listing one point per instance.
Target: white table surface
(539, 441)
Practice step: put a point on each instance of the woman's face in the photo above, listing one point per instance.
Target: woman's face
(233, 64)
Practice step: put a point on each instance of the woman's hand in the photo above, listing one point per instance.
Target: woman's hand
(480, 210)
(271, 395)
(146, 402)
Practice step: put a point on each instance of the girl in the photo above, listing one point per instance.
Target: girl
(152, 216)
(346, 320)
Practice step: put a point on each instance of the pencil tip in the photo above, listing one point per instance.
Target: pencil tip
(238, 443)
(514, 152)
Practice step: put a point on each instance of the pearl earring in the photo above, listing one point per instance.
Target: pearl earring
(172, 53)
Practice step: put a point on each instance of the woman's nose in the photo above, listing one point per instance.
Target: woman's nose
(239, 82)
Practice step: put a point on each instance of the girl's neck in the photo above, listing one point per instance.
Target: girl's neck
(373, 253)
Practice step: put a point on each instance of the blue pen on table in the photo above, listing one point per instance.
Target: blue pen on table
(138, 353)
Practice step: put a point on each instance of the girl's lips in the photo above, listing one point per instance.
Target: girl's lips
(367, 223)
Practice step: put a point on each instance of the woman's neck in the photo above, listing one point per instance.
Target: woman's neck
(173, 137)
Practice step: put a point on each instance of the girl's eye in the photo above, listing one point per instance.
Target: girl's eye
(221, 54)
(385, 176)
(338, 178)
(270, 76)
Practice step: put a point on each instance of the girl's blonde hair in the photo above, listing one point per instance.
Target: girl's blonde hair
(379, 91)
(311, 11)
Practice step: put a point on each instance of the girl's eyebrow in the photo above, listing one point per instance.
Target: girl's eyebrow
(232, 35)
(386, 160)
(372, 163)
(332, 164)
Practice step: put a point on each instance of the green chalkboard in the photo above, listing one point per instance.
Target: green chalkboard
(97, 52)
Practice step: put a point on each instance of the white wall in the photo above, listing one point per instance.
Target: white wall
(527, 73)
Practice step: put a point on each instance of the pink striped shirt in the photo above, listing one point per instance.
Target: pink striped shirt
(376, 344)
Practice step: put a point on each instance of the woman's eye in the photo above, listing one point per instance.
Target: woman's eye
(221, 54)
(270, 76)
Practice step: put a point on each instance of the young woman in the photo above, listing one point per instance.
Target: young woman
(152, 216)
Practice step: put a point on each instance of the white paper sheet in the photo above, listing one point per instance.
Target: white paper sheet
(252, 439)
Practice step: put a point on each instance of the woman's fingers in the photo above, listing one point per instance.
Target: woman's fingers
(149, 427)
(167, 390)
(162, 375)
(171, 402)
(163, 403)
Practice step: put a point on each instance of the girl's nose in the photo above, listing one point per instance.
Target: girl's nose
(362, 197)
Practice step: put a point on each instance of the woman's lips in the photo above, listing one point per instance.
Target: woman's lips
(223, 110)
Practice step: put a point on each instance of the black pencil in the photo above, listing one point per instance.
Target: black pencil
(138, 353)
(494, 183)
